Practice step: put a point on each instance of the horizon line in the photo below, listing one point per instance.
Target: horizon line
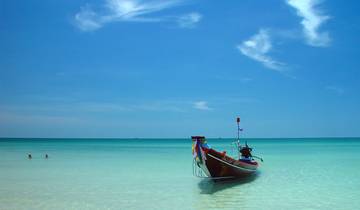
(172, 138)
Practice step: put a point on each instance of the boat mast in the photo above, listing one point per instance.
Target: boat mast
(238, 124)
(238, 137)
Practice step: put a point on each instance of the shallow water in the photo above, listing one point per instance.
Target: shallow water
(157, 174)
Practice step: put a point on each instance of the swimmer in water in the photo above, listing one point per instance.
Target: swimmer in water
(29, 156)
(46, 156)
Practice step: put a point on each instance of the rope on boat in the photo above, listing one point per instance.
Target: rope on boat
(198, 172)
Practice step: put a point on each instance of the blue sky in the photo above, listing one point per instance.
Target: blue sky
(128, 68)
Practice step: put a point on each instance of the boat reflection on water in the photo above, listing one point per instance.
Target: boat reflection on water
(210, 186)
(225, 194)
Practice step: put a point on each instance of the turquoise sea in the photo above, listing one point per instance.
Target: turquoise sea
(156, 174)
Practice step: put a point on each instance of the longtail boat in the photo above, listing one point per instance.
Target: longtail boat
(219, 165)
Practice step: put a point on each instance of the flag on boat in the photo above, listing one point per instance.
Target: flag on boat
(199, 142)
(194, 149)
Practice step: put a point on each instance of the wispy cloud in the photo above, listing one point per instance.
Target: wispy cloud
(258, 47)
(312, 19)
(87, 19)
(335, 89)
(201, 105)
(132, 11)
(189, 20)
(71, 108)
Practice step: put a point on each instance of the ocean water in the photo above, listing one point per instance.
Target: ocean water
(156, 174)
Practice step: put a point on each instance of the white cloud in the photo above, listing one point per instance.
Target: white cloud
(87, 19)
(311, 22)
(257, 48)
(132, 11)
(202, 105)
(189, 20)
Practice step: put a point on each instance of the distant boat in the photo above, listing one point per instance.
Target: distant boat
(218, 165)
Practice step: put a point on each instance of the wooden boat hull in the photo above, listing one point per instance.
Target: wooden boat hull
(220, 165)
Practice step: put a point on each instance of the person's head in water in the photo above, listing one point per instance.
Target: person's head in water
(29, 156)
(46, 156)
